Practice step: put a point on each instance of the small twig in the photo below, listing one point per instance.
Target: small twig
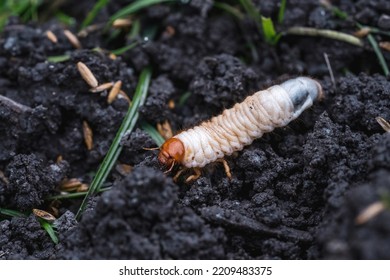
(327, 33)
(330, 70)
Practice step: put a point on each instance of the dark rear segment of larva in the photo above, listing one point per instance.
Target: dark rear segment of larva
(237, 127)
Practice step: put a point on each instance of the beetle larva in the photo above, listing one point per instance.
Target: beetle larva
(237, 127)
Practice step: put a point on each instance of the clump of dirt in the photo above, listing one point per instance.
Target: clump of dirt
(143, 221)
(295, 193)
(29, 181)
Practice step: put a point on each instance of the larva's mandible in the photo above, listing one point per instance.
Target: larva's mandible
(237, 127)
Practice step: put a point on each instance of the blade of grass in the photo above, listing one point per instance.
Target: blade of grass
(252, 12)
(183, 98)
(229, 9)
(49, 229)
(124, 49)
(156, 136)
(282, 11)
(377, 51)
(100, 4)
(115, 148)
(74, 195)
(379, 54)
(135, 7)
(270, 35)
(135, 29)
(58, 58)
(11, 213)
(65, 19)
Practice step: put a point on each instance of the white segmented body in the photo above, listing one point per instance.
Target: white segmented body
(237, 127)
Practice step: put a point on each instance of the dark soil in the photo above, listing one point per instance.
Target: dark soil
(295, 193)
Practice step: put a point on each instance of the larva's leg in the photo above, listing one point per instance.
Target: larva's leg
(226, 167)
(176, 177)
(194, 176)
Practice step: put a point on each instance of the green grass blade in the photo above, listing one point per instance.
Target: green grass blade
(282, 11)
(379, 54)
(135, 7)
(229, 9)
(115, 148)
(251, 10)
(183, 98)
(11, 213)
(124, 49)
(339, 13)
(100, 4)
(58, 58)
(377, 51)
(157, 138)
(65, 19)
(49, 229)
(135, 29)
(270, 35)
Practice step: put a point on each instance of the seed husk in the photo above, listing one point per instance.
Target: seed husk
(124, 169)
(383, 123)
(72, 39)
(102, 87)
(171, 104)
(43, 215)
(83, 188)
(114, 92)
(362, 32)
(69, 185)
(87, 75)
(370, 212)
(123, 95)
(385, 45)
(121, 23)
(88, 135)
(165, 130)
(51, 36)
(3, 178)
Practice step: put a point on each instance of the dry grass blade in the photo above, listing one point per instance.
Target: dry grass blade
(326, 33)
(87, 75)
(330, 70)
(51, 36)
(88, 135)
(72, 39)
(114, 92)
(370, 212)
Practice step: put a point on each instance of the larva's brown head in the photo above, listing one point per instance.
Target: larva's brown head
(170, 152)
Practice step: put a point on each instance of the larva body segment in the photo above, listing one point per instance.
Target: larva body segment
(237, 127)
